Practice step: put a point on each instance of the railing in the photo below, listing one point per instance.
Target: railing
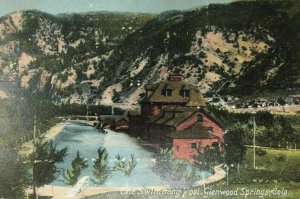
(84, 117)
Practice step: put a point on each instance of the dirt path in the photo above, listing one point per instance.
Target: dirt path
(27, 147)
(218, 175)
(61, 192)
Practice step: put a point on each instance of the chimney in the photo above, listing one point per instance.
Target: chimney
(175, 78)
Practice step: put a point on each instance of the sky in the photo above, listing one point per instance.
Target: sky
(67, 6)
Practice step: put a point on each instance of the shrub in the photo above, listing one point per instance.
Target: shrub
(280, 157)
(260, 152)
(176, 172)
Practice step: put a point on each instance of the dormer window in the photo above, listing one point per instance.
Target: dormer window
(185, 91)
(168, 92)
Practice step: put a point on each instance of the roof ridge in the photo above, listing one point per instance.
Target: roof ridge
(212, 117)
(186, 117)
(195, 98)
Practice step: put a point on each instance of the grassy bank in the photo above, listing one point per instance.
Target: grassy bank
(277, 165)
(277, 171)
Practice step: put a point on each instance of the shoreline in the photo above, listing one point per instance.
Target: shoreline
(27, 148)
(55, 130)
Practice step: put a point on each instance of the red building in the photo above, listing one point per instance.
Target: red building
(173, 114)
(172, 92)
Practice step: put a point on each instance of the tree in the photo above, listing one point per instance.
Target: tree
(260, 134)
(273, 135)
(288, 132)
(296, 134)
(78, 164)
(71, 176)
(101, 171)
(126, 166)
(13, 174)
(43, 161)
(209, 159)
(281, 101)
(163, 161)
(264, 118)
(234, 146)
(176, 172)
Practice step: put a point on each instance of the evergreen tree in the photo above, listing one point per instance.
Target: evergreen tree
(44, 160)
(235, 149)
(125, 166)
(82, 163)
(78, 164)
(13, 174)
(71, 176)
(101, 169)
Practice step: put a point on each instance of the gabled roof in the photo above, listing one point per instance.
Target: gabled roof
(186, 87)
(213, 118)
(170, 86)
(173, 115)
(195, 98)
(196, 131)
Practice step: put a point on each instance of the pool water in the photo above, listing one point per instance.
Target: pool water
(87, 139)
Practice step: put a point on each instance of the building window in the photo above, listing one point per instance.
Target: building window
(168, 92)
(199, 118)
(194, 146)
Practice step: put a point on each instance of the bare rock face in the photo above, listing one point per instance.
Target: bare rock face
(110, 57)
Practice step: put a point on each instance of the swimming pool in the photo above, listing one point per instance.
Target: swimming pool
(87, 139)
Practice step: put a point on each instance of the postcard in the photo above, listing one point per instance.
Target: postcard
(149, 99)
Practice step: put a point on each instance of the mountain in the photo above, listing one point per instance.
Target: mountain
(56, 56)
(240, 48)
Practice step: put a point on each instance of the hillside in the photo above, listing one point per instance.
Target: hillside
(241, 48)
(56, 56)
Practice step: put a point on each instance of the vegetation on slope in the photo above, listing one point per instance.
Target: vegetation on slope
(243, 47)
(181, 39)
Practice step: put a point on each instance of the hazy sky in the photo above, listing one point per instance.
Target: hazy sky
(62, 6)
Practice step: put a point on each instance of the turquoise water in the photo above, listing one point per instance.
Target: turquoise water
(87, 140)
